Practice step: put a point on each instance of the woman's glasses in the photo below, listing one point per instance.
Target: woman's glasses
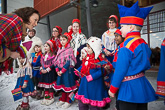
(55, 31)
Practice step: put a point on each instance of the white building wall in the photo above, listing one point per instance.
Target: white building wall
(15, 4)
(63, 19)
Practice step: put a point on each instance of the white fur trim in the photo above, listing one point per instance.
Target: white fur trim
(95, 44)
(84, 50)
(38, 42)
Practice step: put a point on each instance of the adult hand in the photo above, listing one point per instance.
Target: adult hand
(14, 55)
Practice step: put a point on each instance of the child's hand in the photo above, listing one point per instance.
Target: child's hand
(59, 73)
(113, 53)
(107, 53)
(76, 73)
(107, 67)
(111, 94)
(24, 85)
(43, 71)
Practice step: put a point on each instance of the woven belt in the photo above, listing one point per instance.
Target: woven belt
(36, 68)
(127, 78)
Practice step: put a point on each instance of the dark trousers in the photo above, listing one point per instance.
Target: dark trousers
(35, 82)
(117, 101)
(83, 106)
(132, 106)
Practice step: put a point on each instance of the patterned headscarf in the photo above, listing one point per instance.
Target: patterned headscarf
(68, 35)
(59, 29)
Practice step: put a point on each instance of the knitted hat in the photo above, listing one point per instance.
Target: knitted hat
(95, 44)
(84, 50)
(133, 15)
(114, 16)
(51, 44)
(59, 29)
(118, 32)
(22, 51)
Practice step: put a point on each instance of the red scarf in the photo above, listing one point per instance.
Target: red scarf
(91, 64)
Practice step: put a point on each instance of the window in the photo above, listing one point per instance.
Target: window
(157, 28)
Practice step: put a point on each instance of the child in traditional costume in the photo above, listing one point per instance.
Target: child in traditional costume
(48, 74)
(119, 41)
(92, 94)
(64, 66)
(24, 81)
(135, 91)
(36, 54)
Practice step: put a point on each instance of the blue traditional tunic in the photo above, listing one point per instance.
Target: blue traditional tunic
(36, 64)
(161, 74)
(114, 62)
(24, 76)
(133, 58)
(116, 55)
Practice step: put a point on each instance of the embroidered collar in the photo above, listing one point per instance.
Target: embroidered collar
(132, 34)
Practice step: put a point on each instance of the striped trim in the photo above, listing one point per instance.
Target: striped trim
(160, 88)
(132, 44)
(132, 20)
(128, 78)
(17, 93)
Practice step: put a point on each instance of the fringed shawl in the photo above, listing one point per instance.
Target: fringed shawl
(48, 62)
(64, 55)
(24, 70)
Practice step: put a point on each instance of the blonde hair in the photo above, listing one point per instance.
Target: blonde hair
(139, 28)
